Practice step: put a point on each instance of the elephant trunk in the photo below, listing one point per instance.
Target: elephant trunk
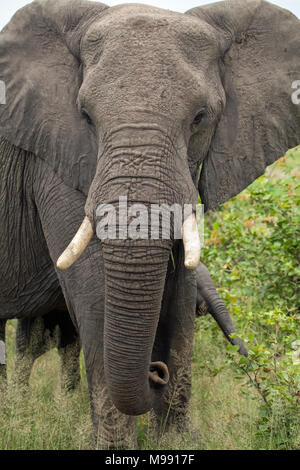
(217, 308)
(137, 173)
(135, 277)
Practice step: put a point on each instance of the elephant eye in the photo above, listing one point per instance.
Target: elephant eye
(86, 116)
(199, 118)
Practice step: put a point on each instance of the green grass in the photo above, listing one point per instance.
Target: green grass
(43, 417)
(253, 256)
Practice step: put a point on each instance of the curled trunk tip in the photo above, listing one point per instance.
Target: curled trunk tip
(159, 373)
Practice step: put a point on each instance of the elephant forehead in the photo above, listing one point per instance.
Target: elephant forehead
(147, 56)
(145, 26)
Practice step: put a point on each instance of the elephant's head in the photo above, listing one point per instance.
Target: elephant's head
(129, 101)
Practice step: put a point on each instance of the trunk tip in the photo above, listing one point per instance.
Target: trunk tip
(159, 373)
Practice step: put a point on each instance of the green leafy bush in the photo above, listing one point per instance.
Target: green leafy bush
(253, 255)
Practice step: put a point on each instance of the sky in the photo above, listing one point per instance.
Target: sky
(9, 7)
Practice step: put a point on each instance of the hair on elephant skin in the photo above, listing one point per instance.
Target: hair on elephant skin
(130, 101)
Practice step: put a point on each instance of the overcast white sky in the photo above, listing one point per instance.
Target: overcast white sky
(9, 7)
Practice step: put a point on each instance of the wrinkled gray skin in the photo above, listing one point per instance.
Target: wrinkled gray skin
(35, 336)
(210, 301)
(164, 92)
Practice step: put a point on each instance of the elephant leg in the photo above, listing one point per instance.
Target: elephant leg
(112, 429)
(69, 352)
(83, 289)
(70, 365)
(3, 376)
(55, 329)
(30, 344)
(174, 343)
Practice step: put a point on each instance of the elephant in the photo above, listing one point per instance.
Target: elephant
(150, 106)
(210, 301)
(37, 335)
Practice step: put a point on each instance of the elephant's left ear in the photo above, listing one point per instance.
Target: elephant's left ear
(40, 67)
(261, 120)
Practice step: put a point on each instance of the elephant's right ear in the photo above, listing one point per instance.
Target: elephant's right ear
(260, 61)
(40, 68)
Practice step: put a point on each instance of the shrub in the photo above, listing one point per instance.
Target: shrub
(253, 255)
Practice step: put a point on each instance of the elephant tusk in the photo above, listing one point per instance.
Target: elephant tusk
(191, 242)
(77, 245)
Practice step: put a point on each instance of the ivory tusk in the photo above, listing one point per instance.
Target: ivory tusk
(77, 246)
(191, 242)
